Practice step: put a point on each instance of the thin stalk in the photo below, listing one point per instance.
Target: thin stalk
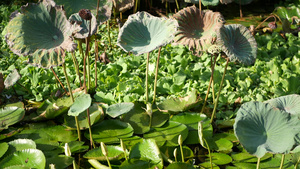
(210, 158)
(241, 12)
(76, 67)
(181, 150)
(156, 74)
(58, 80)
(223, 77)
(296, 165)
(96, 46)
(210, 82)
(282, 161)
(71, 94)
(84, 64)
(121, 16)
(136, 5)
(166, 8)
(266, 20)
(147, 71)
(108, 162)
(108, 31)
(87, 50)
(258, 163)
(200, 8)
(176, 1)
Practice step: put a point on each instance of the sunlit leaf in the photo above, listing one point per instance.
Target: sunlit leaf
(12, 78)
(113, 153)
(10, 116)
(80, 104)
(83, 26)
(118, 109)
(289, 103)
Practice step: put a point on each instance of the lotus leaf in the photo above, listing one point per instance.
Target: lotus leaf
(12, 78)
(21, 144)
(60, 161)
(73, 6)
(10, 116)
(261, 128)
(42, 32)
(113, 153)
(144, 33)
(83, 31)
(210, 2)
(123, 5)
(288, 13)
(197, 31)
(289, 103)
(238, 43)
(136, 163)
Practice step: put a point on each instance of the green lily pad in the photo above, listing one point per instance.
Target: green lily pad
(143, 33)
(12, 78)
(18, 167)
(169, 152)
(238, 43)
(3, 148)
(136, 163)
(113, 153)
(77, 146)
(42, 32)
(32, 158)
(260, 128)
(118, 109)
(80, 104)
(110, 131)
(180, 165)
(9, 132)
(222, 144)
(10, 116)
(147, 150)
(131, 141)
(60, 161)
(168, 133)
(83, 26)
(96, 113)
(248, 158)
(21, 144)
(220, 158)
(289, 103)
(179, 104)
(208, 165)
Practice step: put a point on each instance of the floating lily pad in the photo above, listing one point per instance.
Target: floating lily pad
(118, 109)
(180, 104)
(83, 26)
(81, 103)
(21, 144)
(32, 158)
(136, 163)
(180, 165)
(143, 33)
(10, 116)
(238, 43)
(42, 32)
(12, 78)
(110, 131)
(113, 153)
(168, 133)
(289, 103)
(248, 158)
(260, 128)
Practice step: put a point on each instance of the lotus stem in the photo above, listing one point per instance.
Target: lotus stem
(166, 158)
(136, 5)
(210, 82)
(124, 149)
(217, 100)
(177, 5)
(58, 80)
(76, 67)
(156, 74)
(84, 64)
(96, 46)
(266, 20)
(87, 50)
(108, 31)
(210, 158)
(147, 71)
(241, 12)
(282, 161)
(71, 94)
(258, 163)
(200, 8)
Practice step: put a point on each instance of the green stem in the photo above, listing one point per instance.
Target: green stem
(136, 5)
(181, 150)
(156, 74)
(108, 31)
(210, 158)
(210, 82)
(108, 162)
(96, 47)
(71, 94)
(258, 163)
(76, 67)
(177, 5)
(223, 77)
(87, 40)
(282, 161)
(296, 165)
(147, 71)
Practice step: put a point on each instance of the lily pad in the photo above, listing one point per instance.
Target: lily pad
(10, 116)
(180, 165)
(289, 103)
(143, 33)
(113, 153)
(42, 32)
(168, 133)
(220, 158)
(110, 131)
(21, 144)
(12, 78)
(32, 158)
(260, 128)
(136, 163)
(238, 43)
(118, 109)
(3, 148)
(83, 26)
(60, 161)
(81, 103)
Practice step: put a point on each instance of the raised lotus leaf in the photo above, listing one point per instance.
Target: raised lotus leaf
(289, 103)
(42, 32)
(123, 5)
(83, 30)
(74, 6)
(260, 128)
(243, 2)
(12, 78)
(238, 43)
(197, 31)
(144, 33)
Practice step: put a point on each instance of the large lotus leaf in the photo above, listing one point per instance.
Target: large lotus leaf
(243, 2)
(41, 31)
(110, 131)
(32, 158)
(96, 112)
(289, 103)
(83, 30)
(197, 31)
(180, 104)
(74, 6)
(113, 153)
(168, 133)
(238, 43)
(123, 5)
(10, 116)
(49, 110)
(147, 150)
(81, 103)
(261, 128)
(12, 78)
(144, 33)
(288, 13)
